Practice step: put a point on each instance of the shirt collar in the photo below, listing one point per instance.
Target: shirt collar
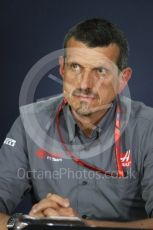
(103, 124)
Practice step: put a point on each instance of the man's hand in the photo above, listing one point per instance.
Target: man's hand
(52, 205)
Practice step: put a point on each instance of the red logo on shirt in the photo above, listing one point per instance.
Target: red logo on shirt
(125, 158)
(41, 154)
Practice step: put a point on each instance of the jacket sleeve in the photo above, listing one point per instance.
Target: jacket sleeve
(13, 168)
(147, 169)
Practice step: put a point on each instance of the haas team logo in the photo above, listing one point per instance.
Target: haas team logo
(125, 158)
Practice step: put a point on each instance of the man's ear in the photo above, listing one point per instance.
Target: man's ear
(124, 76)
(61, 66)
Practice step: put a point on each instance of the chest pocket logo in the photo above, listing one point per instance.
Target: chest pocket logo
(43, 154)
(126, 159)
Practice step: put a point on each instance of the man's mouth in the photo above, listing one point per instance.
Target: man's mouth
(85, 97)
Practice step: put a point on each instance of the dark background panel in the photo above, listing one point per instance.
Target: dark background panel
(30, 29)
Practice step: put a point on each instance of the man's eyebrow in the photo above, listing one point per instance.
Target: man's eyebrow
(101, 67)
(74, 62)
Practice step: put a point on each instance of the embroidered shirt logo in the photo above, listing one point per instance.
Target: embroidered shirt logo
(10, 142)
(42, 154)
(53, 158)
(125, 158)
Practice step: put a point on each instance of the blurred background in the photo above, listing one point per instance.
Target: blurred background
(30, 29)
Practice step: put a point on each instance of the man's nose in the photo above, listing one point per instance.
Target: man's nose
(86, 80)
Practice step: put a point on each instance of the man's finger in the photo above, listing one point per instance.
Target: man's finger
(66, 212)
(37, 214)
(50, 212)
(44, 204)
(61, 212)
(64, 202)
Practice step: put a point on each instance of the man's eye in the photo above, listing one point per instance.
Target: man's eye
(102, 71)
(75, 67)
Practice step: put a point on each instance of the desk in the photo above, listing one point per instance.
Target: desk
(139, 224)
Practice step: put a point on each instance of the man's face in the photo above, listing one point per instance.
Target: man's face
(91, 77)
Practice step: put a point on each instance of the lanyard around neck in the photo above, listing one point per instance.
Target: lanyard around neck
(117, 137)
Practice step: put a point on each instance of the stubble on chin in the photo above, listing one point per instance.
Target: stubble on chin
(83, 109)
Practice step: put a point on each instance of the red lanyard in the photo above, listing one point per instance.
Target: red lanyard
(117, 136)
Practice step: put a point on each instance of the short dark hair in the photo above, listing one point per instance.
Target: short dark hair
(100, 32)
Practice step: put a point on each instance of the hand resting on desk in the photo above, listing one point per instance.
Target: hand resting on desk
(52, 205)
